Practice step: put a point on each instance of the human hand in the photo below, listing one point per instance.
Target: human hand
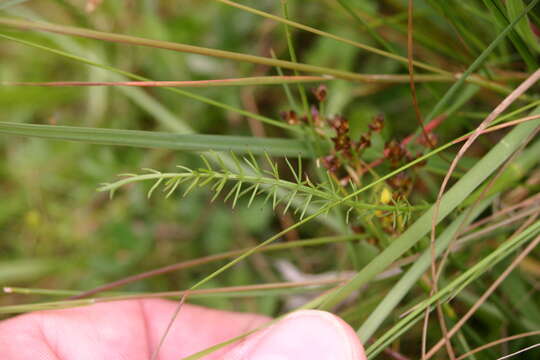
(132, 329)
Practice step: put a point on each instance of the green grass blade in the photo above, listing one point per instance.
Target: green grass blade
(503, 251)
(407, 281)
(162, 114)
(332, 36)
(473, 179)
(132, 40)
(292, 54)
(473, 79)
(246, 81)
(450, 201)
(502, 20)
(150, 139)
(514, 8)
(477, 63)
(369, 29)
(512, 174)
(153, 107)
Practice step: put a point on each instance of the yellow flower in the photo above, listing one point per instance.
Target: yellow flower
(386, 196)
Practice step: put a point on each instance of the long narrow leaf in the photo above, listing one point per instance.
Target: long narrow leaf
(445, 100)
(450, 201)
(407, 281)
(150, 139)
(147, 102)
(255, 80)
(458, 284)
(331, 36)
(132, 40)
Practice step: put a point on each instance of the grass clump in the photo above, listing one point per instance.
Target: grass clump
(397, 136)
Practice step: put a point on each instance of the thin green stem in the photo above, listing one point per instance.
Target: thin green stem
(216, 257)
(454, 287)
(132, 40)
(332, 36)
(450, 201)
(409, 279)
(141, 78)
(246, 81)
(437, 109)
(292, 54)
(154, 139)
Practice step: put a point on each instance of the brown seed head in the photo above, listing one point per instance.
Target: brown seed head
(291, 117)
(320, 93)
(377, 124)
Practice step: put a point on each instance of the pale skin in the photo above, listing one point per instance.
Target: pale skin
(132, 329)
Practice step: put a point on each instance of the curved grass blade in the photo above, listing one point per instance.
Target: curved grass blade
(407, 281)
(332, 36)
(445, 294)
(502, 20)
(126, 39)
(132, 40)
(154, 107)
(472, 79)
(477, 63)
(450, 201)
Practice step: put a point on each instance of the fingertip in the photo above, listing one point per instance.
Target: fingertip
(305, 334)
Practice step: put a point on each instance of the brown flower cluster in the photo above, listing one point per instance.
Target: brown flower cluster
(346, 151)
(344, 162)
(292, 118)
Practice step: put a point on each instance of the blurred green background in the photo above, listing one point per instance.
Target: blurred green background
(58, 232)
